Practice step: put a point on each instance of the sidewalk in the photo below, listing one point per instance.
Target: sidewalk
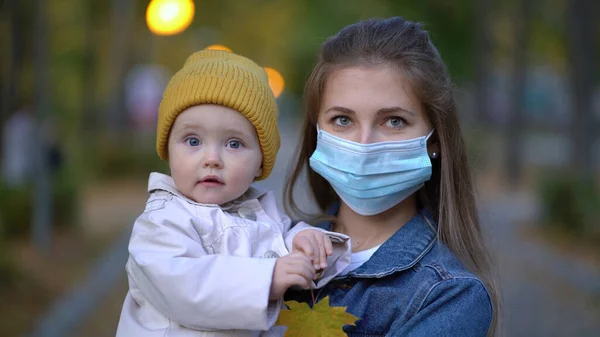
(545, 292)
(109, 210)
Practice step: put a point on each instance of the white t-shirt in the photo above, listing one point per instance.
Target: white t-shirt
(359, 258)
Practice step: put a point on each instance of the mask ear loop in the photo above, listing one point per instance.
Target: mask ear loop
(426, 138)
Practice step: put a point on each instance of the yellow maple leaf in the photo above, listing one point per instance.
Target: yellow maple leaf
(321, 320)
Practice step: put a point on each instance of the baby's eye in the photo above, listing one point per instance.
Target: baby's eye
(193, 141)
(235, 144)
(395, 122)
(342, 120)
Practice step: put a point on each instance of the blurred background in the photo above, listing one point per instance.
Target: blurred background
(80, 84)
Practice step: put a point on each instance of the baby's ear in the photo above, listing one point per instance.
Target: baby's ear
(259, 172)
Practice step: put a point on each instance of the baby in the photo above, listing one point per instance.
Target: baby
(211, 255)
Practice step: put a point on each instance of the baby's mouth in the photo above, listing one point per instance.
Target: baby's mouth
(211, 180)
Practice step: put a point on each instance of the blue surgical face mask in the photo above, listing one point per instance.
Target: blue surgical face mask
(372, 178)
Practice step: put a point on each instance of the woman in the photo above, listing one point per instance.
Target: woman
(385, 157)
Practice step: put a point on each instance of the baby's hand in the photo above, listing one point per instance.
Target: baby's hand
(291, 270)
(314, 244)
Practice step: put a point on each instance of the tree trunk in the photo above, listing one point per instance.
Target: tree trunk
(14, 63)
(582, 63)
(483, 64)
(123, 18)
(89, 122)
(42, 201)
(515, 126)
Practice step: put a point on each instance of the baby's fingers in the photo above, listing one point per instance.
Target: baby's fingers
(303, 268)
(299, 280)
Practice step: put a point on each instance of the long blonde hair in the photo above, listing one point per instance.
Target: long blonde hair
(449, 193)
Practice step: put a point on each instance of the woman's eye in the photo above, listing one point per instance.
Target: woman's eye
(342, 120)
(395, 122)
(193, 141)
(234, 144)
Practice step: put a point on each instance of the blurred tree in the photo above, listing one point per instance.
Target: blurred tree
(17, 39)
(580, 20)
(89, 118)
(286, 34)
(11, 10)
(122, 19)
(516, 124)
(42, 205)
(482, 59)
(548, 35)
(450, 24)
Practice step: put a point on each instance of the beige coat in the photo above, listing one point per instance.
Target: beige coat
(205, 270)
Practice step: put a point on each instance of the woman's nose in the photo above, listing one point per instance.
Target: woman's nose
(366, 136)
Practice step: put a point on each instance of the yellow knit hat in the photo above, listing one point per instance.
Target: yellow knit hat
(224, 78)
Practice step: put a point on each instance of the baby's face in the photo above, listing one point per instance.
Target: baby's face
(214, 154)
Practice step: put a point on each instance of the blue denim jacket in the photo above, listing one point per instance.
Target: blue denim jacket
(413, 285)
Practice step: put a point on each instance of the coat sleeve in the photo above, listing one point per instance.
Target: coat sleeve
(337, 262)
(169, 266)
(453, 307)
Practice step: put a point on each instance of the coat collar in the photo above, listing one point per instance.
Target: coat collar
(163, 182)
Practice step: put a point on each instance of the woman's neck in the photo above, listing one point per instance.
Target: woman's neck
(369, 231)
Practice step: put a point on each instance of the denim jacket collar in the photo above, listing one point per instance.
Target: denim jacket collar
(402, 250)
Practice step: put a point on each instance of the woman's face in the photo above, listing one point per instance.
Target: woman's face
(370, 104)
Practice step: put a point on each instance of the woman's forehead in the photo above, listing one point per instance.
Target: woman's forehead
(369, 89)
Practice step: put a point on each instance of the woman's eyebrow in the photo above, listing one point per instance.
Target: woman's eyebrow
(381, 111)
(384, 111)
(340, 109)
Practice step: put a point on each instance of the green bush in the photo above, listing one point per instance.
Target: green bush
(113, 161)
(477, 144)
(8, 270)
(570, 203)
(16, 215)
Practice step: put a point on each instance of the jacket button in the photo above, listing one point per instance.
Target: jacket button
(247, 214)
(270, 255)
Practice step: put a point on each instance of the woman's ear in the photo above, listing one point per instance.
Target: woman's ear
(433, 149)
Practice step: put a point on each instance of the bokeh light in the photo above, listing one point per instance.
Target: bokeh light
(276, 81)
(169, 17)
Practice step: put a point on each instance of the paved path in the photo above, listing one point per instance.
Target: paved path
(545, 293)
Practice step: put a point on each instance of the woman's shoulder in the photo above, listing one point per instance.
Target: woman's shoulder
(444, 263)
(446, 279)
(446, 299)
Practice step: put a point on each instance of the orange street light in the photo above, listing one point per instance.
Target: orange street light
(169, 17)
(276, 81)
(218, 47)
